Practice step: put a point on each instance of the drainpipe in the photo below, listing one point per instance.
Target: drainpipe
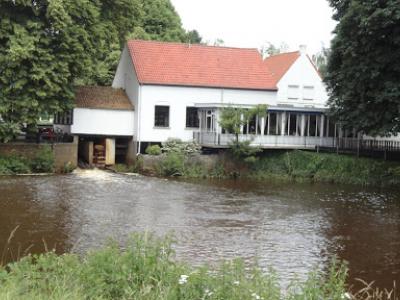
(139, 119)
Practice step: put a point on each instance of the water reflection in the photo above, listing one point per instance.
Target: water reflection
(291, 227)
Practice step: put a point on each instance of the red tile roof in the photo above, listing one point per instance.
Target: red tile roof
(198, 65)
(102, 97)
(279, 64)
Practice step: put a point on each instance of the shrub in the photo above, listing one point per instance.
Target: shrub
(172, 165)
(135, 168)
(153, 150)
(14, 165)
(176, 145)
(68, 168)
(43, 162)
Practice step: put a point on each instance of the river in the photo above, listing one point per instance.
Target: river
(290, 227)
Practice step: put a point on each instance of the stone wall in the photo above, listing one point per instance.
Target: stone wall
(63, 153)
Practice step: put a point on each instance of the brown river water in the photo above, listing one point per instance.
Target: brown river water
(290, 227)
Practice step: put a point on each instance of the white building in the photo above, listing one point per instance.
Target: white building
(177, 90)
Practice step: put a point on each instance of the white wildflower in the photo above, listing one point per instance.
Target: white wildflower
(255, 296)
(183, 279)
(346, 296)
(208, 293)
(236, 282)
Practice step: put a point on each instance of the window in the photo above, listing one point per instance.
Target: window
(192, 117)
(64, 118)
(161, 116)
(308, 93)
(293, 92)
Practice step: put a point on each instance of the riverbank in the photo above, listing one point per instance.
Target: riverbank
(297, 166)
(146, 269)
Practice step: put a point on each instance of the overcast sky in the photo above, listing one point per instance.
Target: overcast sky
(252, 23)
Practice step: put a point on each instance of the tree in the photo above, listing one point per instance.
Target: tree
(363, 68)
(44, 47)
(269, 49)
(194, 37)
(161, 21)
(47, 47)
(232, 119)
(320, 60)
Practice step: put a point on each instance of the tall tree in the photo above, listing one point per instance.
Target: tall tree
(44, 46)
(162, 22)
(269, 49)
(320, 60)
(363, 69)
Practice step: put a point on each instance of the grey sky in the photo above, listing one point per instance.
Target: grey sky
(251, 23)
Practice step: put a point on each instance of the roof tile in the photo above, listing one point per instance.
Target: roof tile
(199, 65)
(102, 97)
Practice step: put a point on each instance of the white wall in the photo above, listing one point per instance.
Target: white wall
(126, 78)
(103, 122)
(302, 73)
(178, 98)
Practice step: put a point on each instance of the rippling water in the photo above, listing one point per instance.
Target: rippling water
(291, 227)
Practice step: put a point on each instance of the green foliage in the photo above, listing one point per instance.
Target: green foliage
(13, 164)
(319, 167)
(232, 119)
(363, 69)
(153, 150)
(176, 145)
(68, 168)
(269, 49)
(320, 60)
(146, 269)
(49, 47)
(43, 162)
(43, 49)
(172, 165)
(134, 168)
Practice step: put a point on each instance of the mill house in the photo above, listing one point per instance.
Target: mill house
(171, 90)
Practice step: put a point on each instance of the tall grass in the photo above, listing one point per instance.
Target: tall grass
(322, 167)
(146, 269)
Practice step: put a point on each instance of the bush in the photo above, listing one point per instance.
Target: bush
(135, 168)
(14, 165)
(146, 269)
(176, 145)
(153, 150)
(172, 165)
(68, 168)
(43, 162)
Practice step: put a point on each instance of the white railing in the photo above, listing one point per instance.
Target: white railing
(212, 139)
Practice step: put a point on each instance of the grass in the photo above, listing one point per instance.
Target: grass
(323, 167)
(300, 166)
(146, 269)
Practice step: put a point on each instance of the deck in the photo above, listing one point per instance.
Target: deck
(218, 140)
(387, 149)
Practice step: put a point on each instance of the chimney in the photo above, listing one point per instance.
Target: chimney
(303, 49)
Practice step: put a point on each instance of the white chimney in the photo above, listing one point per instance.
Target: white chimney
(303, 49)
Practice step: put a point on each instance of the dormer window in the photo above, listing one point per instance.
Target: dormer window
(308, 92)
(293, 92)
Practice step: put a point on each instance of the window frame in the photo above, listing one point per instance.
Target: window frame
(291, 89)
(157, 118)
(187, 121)
(310, 88)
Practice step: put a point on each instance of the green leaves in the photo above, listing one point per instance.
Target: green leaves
(48, 47)
(363, 67)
